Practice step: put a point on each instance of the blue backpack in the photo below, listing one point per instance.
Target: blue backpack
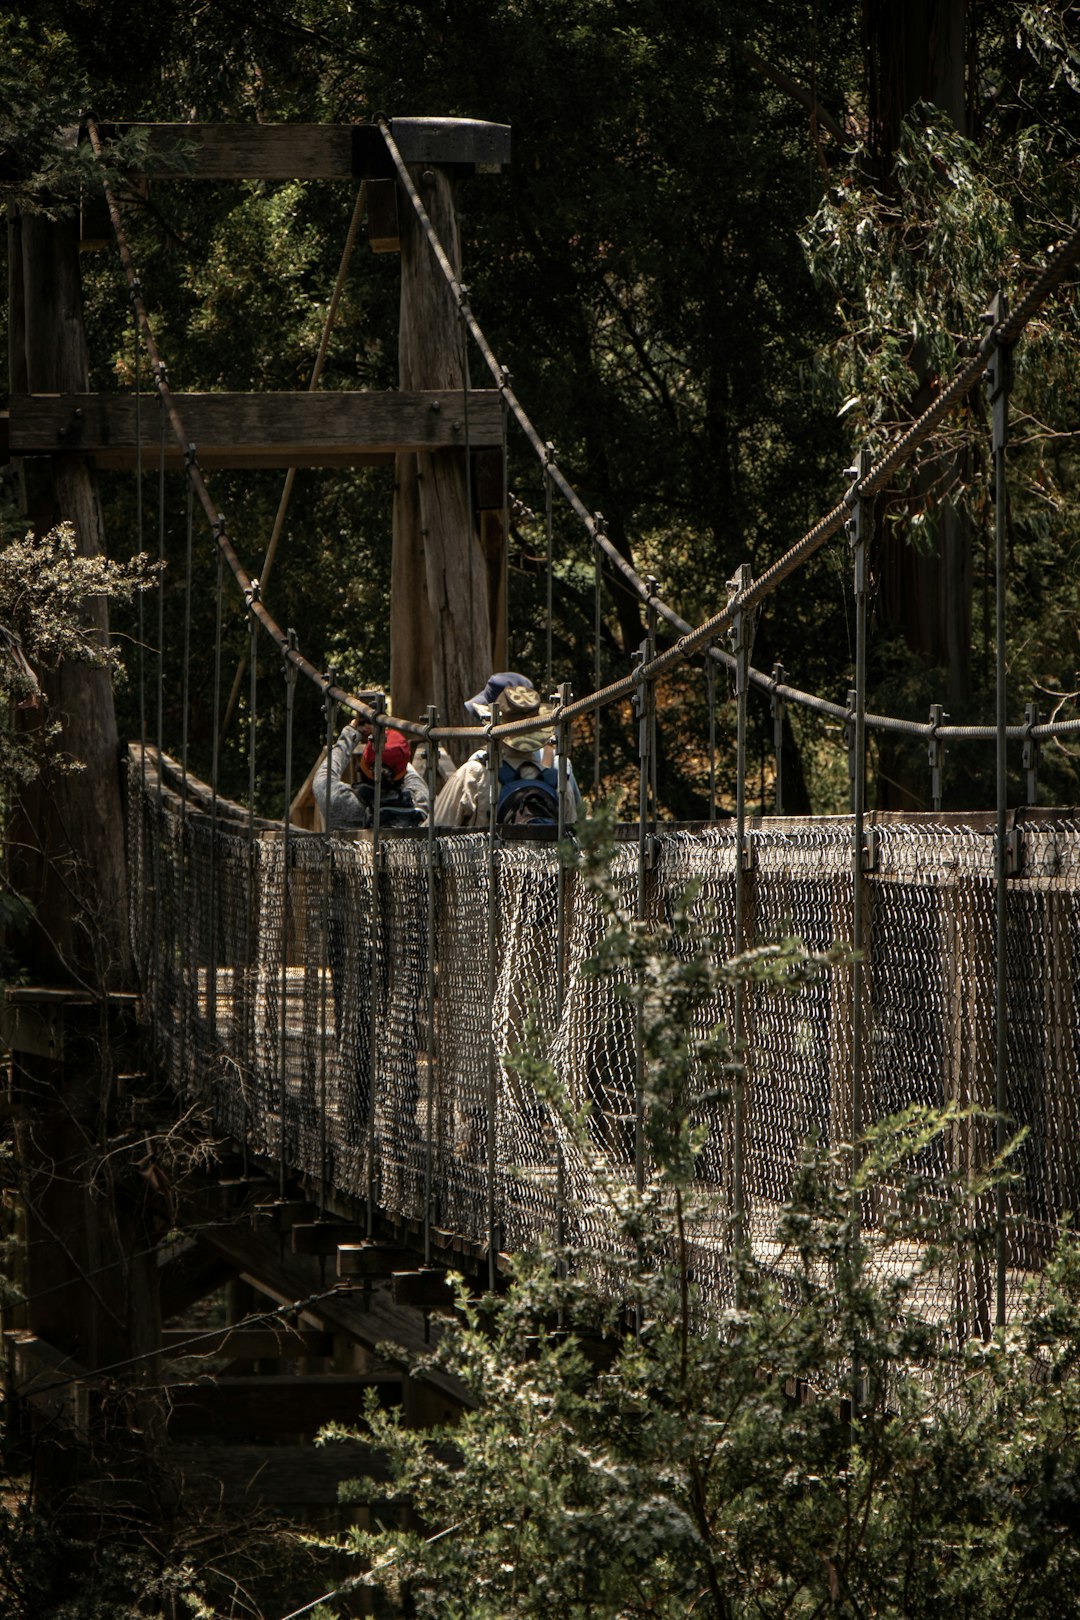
(528, 795)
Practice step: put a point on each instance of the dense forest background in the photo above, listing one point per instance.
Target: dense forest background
(732, 247)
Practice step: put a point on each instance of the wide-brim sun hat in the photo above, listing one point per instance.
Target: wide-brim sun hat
(479, 707)
(522, 702)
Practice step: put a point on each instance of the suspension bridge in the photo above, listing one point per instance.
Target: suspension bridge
(388, 1086)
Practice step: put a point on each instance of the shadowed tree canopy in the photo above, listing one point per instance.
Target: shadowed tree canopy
(702, 358)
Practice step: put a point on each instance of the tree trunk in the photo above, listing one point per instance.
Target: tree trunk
(66, 833)
(91, 1270)
(916, 52)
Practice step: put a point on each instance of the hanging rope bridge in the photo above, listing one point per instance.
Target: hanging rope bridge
(344, 1004)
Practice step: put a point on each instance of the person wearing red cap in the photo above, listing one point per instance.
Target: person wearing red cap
(403, 794)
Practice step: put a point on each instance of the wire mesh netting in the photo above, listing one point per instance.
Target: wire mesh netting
(358, 1014)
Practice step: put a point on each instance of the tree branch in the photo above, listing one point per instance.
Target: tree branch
(792, 88)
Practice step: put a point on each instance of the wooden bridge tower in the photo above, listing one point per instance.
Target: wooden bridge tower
(92, 1276)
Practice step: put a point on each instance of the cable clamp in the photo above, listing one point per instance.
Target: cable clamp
(287, 653)
(777, 704)
(191, 459)
(251, 594)
(1014, 852)
(871, 849)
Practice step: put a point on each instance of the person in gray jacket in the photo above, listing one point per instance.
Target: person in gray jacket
(403, 797)
(403, 802)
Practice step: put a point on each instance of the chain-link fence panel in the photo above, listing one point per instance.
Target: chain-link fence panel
(357, 1018)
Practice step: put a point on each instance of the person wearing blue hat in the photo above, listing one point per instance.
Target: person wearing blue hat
(479, 707)
(528, 771)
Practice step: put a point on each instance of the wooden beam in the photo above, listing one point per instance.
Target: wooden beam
(230, 1407)
(282, 1214)
(47, 1378)
(246, 151)
(190, 1276)
(372, 1260)
(317, 151)
(384, 233)
(425, 1290)
(295, 1476)
(323, 1237)
(332, 429)
(371, 1319)
(249, 1344)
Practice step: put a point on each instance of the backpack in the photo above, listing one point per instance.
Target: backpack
(528, 795)
(396, 808)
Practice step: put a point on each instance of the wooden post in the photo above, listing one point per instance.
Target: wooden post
(92, 1290)
(442, 637)
(66, 846)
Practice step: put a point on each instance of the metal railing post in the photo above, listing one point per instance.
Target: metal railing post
(1031, 754)
(549, 524)
(650, 688)
(778, 709)
(253, 908)
(935, 753)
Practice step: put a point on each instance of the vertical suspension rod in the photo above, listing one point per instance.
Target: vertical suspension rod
(375, 1010)
(492, 941)
(562, 698)
(212, 953)
(328, 954)
(998, 380)
(598, 624)
(858, 536)
(742, 641)
(858, 525)
(641, 705)
(710, 692)
(286, 851)
(431, 755)
(252, 908)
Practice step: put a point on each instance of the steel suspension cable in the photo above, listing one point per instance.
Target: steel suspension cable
(313, 383)
(1003, 333)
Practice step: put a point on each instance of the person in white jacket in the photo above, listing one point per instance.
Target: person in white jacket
(528, 773)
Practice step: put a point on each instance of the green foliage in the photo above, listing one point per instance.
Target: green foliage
(45, 586)
(913, 266)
